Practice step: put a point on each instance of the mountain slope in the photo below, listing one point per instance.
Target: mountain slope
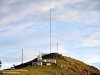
(64, 66)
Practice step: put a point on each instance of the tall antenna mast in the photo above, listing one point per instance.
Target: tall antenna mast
(50, 29)
(57, 47)
(22, 56)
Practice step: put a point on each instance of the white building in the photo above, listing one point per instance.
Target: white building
(49, 60)
(41, 61)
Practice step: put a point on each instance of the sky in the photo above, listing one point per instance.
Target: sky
(25, 24)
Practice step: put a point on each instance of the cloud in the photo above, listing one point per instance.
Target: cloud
(88, 55)
(26, 24)
(18, 14)
(91, 38)
(92, 56)
(91, 43)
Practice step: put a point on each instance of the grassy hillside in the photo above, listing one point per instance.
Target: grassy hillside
(65, 66)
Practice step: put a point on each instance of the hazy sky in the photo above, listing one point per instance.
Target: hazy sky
(26, 24)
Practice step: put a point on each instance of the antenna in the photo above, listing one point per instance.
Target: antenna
(50, 29)
(57, 47)
(22, 56)
(39, 52)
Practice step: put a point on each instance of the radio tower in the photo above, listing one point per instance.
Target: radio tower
(57, 47)
(22, 56)
(50, 29)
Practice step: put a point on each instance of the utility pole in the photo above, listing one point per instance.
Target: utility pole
(50, 29)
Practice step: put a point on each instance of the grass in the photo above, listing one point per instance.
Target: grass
(69, 67)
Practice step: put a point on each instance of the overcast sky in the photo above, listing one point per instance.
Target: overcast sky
(26, 24)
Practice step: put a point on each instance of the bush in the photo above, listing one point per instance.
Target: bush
(0, 63)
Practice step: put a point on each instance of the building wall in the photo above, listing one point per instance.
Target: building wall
(39, 58)
(43, 62)
(36, 63)
(48, 64)
(49, 60)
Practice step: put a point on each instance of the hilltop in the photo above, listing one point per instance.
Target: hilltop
(64, 66)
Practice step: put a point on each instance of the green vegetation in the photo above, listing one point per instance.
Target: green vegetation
(0, 63)
(64, 66)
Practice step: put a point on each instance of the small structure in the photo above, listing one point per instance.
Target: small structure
(39, 58)
(41, 61)
(36, 63)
